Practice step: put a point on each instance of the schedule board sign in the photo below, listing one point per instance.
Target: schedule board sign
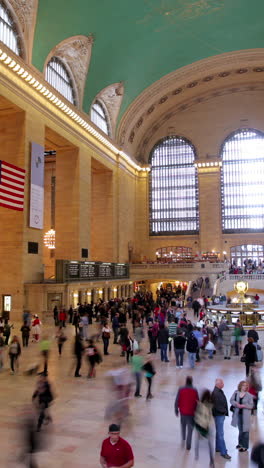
(67, 271)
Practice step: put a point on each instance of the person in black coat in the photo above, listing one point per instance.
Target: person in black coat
(250, 354)
(192, 347)
(78, 351)
(163, 337)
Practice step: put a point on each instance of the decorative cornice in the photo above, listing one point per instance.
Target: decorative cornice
(76, 52)
(147, 141)
(150, 101)
(31, 82)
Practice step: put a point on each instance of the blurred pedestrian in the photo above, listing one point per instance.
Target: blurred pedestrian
(137, 364)
(36, 328)
(61, 338)
(78, 351)
(14, 353)
(185, 404)
(249, 355)
(94, 357)
(204, 421)
(43, 397)
(45, 345)
(7, 331)
(149, 371)
(25, 330)
(106, 332)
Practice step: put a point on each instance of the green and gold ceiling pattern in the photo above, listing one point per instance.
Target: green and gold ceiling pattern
(138, 42)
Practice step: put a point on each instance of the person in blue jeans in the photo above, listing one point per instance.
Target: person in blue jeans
(220, 411)
(192, 347)
(179, 345)
(163, 337)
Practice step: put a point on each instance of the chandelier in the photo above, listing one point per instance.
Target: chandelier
(49, 239)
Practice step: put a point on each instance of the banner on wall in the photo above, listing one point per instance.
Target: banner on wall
(37, 187)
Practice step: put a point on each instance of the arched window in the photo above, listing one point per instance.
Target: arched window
(99, 118)
(247, 254)
(8, 33)
(58, 76)
(242, 184)
(173, 188)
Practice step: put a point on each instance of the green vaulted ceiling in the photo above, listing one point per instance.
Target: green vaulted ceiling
(140, 41)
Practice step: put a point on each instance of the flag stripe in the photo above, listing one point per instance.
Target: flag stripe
(11, 179)
(11, 205)
(15, 175)
(18, 169)
(9, 188)
(13, 199)
(4, 193)
(12, 185)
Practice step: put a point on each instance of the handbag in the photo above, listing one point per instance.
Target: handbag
(243, 359)
(232, 407)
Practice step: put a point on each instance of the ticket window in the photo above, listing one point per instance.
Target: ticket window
(6, 305)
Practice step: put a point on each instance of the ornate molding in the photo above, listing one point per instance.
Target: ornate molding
(228, 66)
(25, 13)
(24, 10)
(112, 97)
(147, 141)
(76, 52)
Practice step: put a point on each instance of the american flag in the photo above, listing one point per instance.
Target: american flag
(12, 184)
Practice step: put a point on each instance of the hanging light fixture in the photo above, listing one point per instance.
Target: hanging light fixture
(49, 239)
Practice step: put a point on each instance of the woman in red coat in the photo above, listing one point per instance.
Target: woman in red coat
(62, 317)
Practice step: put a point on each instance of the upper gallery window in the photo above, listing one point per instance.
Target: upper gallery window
(58, 76)
(99, 118)
(173, 188)
(242, 187)
(8, 32)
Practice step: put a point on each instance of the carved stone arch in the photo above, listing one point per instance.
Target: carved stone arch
(230, 69)
(75, 52)
(24, 13)
(111, 97)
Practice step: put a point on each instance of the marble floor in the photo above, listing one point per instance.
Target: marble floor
(78, 411)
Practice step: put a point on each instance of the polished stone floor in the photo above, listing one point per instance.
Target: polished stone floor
(78, 411)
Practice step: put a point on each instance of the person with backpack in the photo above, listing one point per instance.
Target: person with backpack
(204, 422)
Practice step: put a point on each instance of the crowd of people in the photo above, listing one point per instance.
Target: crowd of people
(249, 267)
(170, 331)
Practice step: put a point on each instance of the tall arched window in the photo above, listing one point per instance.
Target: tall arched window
(99, 118)
(8, 32)
(242, 185)
(173, 188)
(58, 76)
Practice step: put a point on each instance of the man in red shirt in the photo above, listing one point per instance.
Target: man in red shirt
(116, 452)
(186, 402)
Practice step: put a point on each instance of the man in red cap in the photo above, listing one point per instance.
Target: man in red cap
(116, 452)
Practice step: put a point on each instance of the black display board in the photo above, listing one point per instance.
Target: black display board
(67, 271)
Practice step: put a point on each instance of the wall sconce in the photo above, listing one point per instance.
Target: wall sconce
(49, 239)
